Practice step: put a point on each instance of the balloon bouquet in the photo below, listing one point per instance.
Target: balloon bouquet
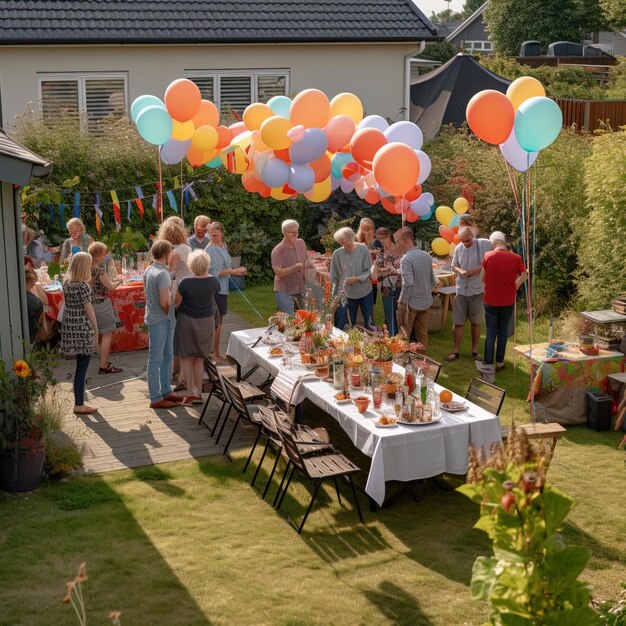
(309, 145)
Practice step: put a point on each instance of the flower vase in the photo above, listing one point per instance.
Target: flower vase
(305, 346)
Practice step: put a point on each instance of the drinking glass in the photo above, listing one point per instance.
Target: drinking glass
(397, 404)
(377, 397)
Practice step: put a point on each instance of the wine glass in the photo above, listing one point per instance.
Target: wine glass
(397, 404)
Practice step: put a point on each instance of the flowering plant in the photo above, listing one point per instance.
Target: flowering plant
(22, 385)
(332, 300)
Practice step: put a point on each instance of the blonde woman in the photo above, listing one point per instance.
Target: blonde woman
(80, 327)
(78, 241)
(195, 323)
(173, 230)
(101, 285)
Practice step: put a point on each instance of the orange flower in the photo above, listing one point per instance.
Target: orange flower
(21, 369)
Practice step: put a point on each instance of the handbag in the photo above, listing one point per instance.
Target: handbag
(48, 329)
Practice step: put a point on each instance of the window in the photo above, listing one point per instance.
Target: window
(233, 91)
(477, 46)
(88, 98)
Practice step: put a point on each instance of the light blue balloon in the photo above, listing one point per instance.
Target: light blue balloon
(538, 122)
(310, 148)
(301, 177)
(155, 125)
(275, 172)
(174, 151)
(140, 103)
(213, 163)
(280, 105)
(373, 121)
(340, 160)
(454, 221)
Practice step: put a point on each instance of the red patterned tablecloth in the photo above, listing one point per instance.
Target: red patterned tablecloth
(129, 304)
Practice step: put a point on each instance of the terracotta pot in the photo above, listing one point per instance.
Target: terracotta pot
(305, 357)
(390, 389)
(385, 366)
(361, 403)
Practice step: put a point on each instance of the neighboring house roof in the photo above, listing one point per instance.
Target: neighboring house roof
(18, 164)
(445, 28)
(197, 21)
(478, 13)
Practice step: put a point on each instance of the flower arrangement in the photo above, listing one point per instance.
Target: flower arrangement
(378, 349)
(332, 300)
(307, 320)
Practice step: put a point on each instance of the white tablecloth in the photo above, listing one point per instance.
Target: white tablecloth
(403, 453)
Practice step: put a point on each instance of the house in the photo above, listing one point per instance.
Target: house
(95, 58)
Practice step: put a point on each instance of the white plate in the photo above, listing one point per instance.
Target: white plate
(452, 409)
(275, 356)
(379, 425)
(433, 421)
(346, 401)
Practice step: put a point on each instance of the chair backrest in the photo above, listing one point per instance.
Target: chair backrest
(485, 395)
(214, 377)
(430, 367)
(286, 433)
(236, 397)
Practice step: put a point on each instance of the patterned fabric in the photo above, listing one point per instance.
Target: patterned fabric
(77, 333)
(384, 261)
(99, 290)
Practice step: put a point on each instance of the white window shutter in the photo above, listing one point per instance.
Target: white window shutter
(235, 93)
(59, 98)
(206, 85)
(103, 97)
(269, 85)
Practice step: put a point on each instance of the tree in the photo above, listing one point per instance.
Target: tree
(441, 51)
(472, 5)
(448, 15)
(615, 12)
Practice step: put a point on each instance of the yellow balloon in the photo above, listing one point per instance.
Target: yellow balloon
(440, 246)
(255, 114)
(461, 205)
(205, 138)
(274, 132)
(278, 194)
(181, 131)
(452, 249)
(347, 104)
(321, 191)
(444, 214)
(523, 88)
(239, 160)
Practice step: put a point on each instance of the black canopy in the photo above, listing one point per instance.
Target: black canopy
(441, 96)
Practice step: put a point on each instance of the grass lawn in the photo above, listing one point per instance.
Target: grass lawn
(193, 543)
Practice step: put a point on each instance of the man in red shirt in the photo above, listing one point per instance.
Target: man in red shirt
(503, 273)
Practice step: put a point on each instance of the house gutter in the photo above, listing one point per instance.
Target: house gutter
(407, 77)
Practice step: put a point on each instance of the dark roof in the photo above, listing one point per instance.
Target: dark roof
(197, 21)
(470, 20)
(18, 164)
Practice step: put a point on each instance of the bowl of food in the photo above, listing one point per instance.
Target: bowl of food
(276, 351)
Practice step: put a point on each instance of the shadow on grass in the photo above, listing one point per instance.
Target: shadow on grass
(397, 605)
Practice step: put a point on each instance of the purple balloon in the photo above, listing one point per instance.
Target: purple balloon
(515, 155)
(373, 121)
(301, 177)
(310, 148)
(334, 183)
(174, 151)
(346, 185)
(420, 206)
(275, 172)
(405, 132)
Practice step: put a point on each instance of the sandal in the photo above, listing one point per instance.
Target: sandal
(477, 356)
(452, 357)
(84, 410)
(109, 369)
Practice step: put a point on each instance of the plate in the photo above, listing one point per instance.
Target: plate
(453, 407)
(52, 289)
(379, 425)
(434, 420)
(275, 356)
(343, 401)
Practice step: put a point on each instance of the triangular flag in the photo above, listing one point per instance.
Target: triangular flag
(116, 211)
(138, 200)
(62, 215)
(98, 214)
(51, 209)
(172, 200)
(128, 210)
(77, 204)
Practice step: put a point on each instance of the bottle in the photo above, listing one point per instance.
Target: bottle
(339, 376)
(409, 376)
(423, 389)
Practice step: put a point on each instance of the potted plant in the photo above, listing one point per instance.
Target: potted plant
(378, 351)
(23, 383)
(391, 383)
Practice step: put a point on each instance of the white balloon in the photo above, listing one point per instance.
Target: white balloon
(405, 132)
(429, 198)
(515, 155)
(425, 166)
(374, 121)
(421, 206)
(346, 185)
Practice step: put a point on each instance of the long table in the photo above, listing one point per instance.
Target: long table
(403, 453)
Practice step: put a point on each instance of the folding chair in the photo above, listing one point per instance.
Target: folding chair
(485, 395)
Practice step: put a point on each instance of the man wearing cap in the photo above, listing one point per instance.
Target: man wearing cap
(467, 263)
(503, 273)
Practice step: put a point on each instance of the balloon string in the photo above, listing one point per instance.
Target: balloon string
(160, 194)
(182, 194)
(511, 174)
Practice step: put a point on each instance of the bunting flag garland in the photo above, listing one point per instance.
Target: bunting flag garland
(77, 204)
(172, 200)
(128, 210)
(116, 211)
(51, 209)
(138, 200)
(98, 214)
(62, 215)
(154, 201)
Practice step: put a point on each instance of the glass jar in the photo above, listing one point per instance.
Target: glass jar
(339, 374)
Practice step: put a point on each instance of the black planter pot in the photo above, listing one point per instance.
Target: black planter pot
(23, 473)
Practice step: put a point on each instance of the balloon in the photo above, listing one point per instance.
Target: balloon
(334, 183)
(339, 131)
(456, 239)
(154, 125)
(310, 108)
(182, 131)
(280, 105)
(440, 246)
(490, 115)
(373, 121)
(522, 89)
(257, 142)
(320, 192)
(205, 138)
(338, 162)
(347, 104)
(310, 148)
(515, 155)
(238, 162)
(283, 155)
(461, 205)
(365, 144)
(411, 217)
(207, 115)
(405, 132)
(396, 168)
(274, 132)
(346, 185)
(140, 103)
(255, 114)
(321, 167)
(250, 182)
(275, 172)
(182, 99)
(538, 123)
(453, 246)
(420, 206)
(444, 214)
(454, 222)
(174, 151)
(296, 133)
(389, 205)
(197, 157)
(425, 166)
(224, 137)
(372, 197)
(278, 194)
(216, 162)
(446, 233)
(301, 177)
(414, 194)
(429, 198)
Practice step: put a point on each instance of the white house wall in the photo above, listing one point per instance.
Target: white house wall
(374, 72)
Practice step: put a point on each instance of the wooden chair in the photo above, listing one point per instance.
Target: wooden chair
(485, 395)
(430, 367)
(539, 430)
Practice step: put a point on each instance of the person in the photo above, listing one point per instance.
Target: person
(200, 240)
(288, 262)
(101, 285)
(350, 268)
(34, 303)
(365, 234)
(33, 247)
(503, 273)
(418, 283)
(173, 230)
(159, 319)
(78, 241)
(387, 269)
(467, 264)
(221, 268)
(80, 326)
(468, 220)
(195, 322)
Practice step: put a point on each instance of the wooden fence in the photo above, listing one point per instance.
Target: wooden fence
(590, 115)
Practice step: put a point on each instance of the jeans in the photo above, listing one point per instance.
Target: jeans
(497, 319)
(390, 305)
(160, 354)
(80, 374)
(367, 309)
(286, 302)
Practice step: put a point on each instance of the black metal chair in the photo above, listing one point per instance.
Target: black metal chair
(485, 395)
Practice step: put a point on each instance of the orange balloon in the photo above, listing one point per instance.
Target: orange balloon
(372, 197)
(365, 144)
(321, 168)
(207, 115)
(414, 193)
(411, 217)
(389, 205)
(255, 114)
(196, 157)
(250, 182)
(182, 99)
(456, 239)
(224, 137)
(396, 167)
(490, 115)
(447, 233)
(310, 108)
(265, 191)
(339, 131)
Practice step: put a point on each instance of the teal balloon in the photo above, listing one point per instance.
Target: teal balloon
(140, 103)
(339, 161)
(280, 105)
(454, 221)
(213, 163)
(538, 122)
(154, 125)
